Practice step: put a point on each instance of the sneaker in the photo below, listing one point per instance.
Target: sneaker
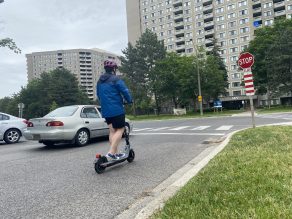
(111, 157)
(120, 155)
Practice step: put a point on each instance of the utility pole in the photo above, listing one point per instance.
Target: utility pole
(200, 99)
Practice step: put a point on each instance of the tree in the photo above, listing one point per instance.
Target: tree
(7, 42)
(56, 88)
(273, 56)
(139, 62)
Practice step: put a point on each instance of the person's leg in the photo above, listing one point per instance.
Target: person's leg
(111, 132)
(115, 140)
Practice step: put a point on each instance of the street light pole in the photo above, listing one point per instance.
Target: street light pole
(200, 99)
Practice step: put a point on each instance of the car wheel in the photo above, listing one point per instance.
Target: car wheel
(48, 143)
(12, 136)
(82, 138)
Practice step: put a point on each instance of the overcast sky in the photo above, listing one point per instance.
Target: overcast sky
(44, 25)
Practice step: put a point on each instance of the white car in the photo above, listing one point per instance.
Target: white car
(11, 128)
(75, 124)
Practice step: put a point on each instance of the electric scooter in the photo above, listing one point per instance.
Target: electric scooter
(101, 162)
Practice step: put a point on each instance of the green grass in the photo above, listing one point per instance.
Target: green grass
(250, 178)
(189, 115)
(275, 109)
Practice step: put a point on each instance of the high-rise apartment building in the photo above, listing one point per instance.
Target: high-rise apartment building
(185, 24)
(85, 64)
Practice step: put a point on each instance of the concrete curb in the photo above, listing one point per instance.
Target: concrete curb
(155, 200)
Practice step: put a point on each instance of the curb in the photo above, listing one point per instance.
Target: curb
(146, 206)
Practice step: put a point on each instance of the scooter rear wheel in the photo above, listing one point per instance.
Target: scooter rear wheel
(97, 166)
(131, 156)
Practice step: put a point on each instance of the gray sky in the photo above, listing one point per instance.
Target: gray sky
(44, 25)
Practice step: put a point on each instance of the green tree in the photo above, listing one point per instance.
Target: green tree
(139, 62)
(9, 43)
(56, 88)
(272, 50)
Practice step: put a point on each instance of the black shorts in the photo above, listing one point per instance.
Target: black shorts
(116, 121)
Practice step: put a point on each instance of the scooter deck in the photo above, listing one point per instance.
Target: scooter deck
(113, 162)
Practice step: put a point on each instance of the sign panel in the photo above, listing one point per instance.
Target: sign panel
(245, 60)
(248, 83)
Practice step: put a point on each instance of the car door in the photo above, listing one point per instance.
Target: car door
(93, 121)
(4, 123)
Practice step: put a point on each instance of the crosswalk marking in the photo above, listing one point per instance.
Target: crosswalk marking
(176, 133)
(201, 127)
(224, 127)
(180, 128)
(144, 129)
(158, 129)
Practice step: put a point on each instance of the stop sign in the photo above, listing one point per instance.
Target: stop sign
(245, 60)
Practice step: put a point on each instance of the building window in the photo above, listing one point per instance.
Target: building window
(242, 3)
(232, 24)
(267, 13)
(243, 12)
(232, 32)
(219, 10)
(230, 7)
(237, 93)
(269, 22)
(231, 15)
(234, 49)
(244, 30)
(236, 84)
(243, 21)
(268, 5)
(233, 41)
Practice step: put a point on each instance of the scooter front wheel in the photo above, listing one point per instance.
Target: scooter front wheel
(98, 167)
(131, 156)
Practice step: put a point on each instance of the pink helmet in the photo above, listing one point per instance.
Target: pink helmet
(110, 63)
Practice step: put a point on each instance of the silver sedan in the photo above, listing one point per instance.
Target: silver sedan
(73, 124)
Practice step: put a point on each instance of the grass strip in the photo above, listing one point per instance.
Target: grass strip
(275, 109)
(250, 178)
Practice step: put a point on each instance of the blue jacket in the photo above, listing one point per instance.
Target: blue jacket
(111, 91)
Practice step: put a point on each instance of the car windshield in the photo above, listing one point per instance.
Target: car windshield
(63, 112)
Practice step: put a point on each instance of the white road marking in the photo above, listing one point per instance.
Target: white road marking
(224, 127)
(179, 128)
(138, 130)
(201, 127)
(175, 133)
(158, 129)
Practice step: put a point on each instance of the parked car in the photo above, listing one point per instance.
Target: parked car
(75, 124)
(11, 128)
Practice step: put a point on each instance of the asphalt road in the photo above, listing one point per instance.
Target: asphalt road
(60, 182)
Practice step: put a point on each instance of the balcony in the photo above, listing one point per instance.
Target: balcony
(257, 14)
(177, 3)
(178, 17)
(178, 10)
(257, 10)
(179, 24)
(209, 24)
(207, 2)
(179, 40)
(280, 13)
(208, 8)
(210, 31)
(207, 16)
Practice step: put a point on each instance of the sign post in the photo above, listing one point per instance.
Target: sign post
(20, 109)
(245, 61)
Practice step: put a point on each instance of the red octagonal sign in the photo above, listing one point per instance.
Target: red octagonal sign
(245, 60)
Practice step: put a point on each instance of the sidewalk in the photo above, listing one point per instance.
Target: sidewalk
(244, 114)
